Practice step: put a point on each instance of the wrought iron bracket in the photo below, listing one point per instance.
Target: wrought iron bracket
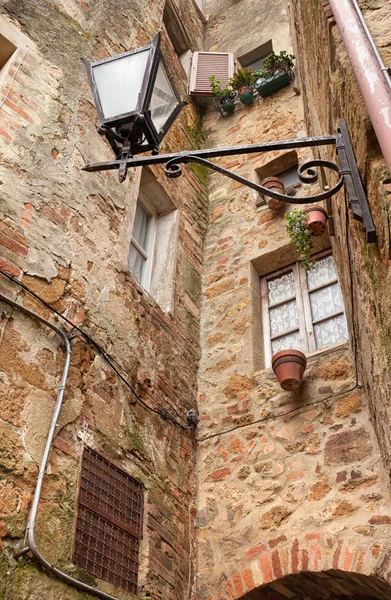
(347, 170)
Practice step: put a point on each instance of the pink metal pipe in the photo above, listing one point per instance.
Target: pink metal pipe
(373, 86)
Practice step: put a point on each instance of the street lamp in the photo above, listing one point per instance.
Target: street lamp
(136, 100)
(137, 103)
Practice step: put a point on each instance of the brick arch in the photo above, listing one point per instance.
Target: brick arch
(314, 567)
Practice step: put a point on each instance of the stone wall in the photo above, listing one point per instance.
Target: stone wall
(65, 234)
(280, 495)
(330, 93)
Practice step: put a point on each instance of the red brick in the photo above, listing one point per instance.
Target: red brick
(12, 245)
(236, 446)
(266, 568)
(348, 559)
(276, 541)
(305, 560)
(60, 444)
(219, 474)
(19, 238)
(316, 556)
(18, 110)
(5, 135)
(237, 581)
(276, 565)
(312, 535)
(255, 551)
(295, 557)
(360, 562)
(337, 555)
(248, 580)
(380, 520)
(229, 590)
(9, 268)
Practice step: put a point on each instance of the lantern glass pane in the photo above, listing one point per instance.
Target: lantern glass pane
(119, 83)
(163, 100)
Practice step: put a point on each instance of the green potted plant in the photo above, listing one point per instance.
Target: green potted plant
(277, 73)
(302, 226)
(225, 95)
(243, 81)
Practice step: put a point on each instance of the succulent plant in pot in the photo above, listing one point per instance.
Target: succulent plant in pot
(224, 94)
(243, 81)
(301, 229)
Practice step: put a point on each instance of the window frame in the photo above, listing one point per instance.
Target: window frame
(151, 240)
(302, 297)
(135, 533)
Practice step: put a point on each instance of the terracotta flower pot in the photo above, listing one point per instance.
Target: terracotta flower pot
(276, 185)
(289, 366)
(317, 220)
(245, 88)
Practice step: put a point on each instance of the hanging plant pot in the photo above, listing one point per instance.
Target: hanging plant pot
(289, 366)
(267, 87)
(317, 220)
(227, 105)
(246, 95)
(276, 185)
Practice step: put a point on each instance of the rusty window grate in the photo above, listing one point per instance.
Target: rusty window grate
(109, 522)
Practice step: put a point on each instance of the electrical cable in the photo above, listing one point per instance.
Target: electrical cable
(110, 361)
(226, 431)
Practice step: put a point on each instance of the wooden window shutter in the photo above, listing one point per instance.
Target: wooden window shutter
(205, 64)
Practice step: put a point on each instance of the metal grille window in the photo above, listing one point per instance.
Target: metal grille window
(302, 310)
(109, 522)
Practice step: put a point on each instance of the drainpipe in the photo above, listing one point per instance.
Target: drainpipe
(31, 547)
(369, 75)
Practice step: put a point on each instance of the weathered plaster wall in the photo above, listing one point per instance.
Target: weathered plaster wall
(304, 493)
(331, 92)
(240, 26)
(66, 235)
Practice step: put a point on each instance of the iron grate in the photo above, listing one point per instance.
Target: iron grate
(109, 522)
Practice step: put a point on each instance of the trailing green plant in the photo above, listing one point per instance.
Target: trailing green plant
(301, 237)
(275, 61)
(223, 93)
(243, 77)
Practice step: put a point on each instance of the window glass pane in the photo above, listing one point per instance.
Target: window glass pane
(291, 341)
(290, 176)
(322, 273)
(284, 318)
(281, 288)
(163, 99)
(326, 302)
(331, 332)
(141, 225)
(136, 263)
(119, 83)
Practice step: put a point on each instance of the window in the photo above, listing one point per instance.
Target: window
(289, 177)
(109, 522)
(285, 167)
(142, 245)
(152, 251)
(205, 64)
(255, 58)
(7, 49)
(302, 310)
(177, 34)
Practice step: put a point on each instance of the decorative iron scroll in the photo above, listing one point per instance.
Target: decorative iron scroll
(347, 170)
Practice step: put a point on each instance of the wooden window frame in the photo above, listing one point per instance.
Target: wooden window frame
(302, 297)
